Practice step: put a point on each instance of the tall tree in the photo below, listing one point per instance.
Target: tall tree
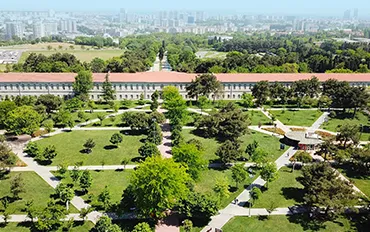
(23, 120)
(50, 101)
(83, 84)
(107, 90)
(154, 104)
(154, 133)
(190, 156)
(348, 132)
(7, 157)
(229, 151)
(85, 180)
(116, 139)
(105, 224)
(89, 145)
(156, 185)
(148, 150)
(239, 174)
(261, 92)
(324, 188)
(17, 186)
(269, 173)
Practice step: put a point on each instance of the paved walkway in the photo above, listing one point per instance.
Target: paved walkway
(277, 122)
(231, 210)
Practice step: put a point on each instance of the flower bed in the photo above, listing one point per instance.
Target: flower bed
(297, 129)
(274, 130)
(324, 134)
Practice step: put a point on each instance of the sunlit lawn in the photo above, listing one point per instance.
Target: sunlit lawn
(36, 189)
(257, 117)
(361, 182)
(268, 143)
(295, 223)
(297, 118)
(70, 144)
(334, 123)
(26, 227)
(283, 192)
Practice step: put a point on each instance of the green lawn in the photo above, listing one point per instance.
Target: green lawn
(297, 118)
(334, 123)
(268, 143)
(36, 189)
(26, 227)
(90, 116)
(82, 55)
(257, 117)
(283, 192)
(296, 223)
(70, 144)
(116, 181)
(208, 179)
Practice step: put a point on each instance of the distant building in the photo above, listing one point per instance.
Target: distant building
(347, 15)
(14, 29)
(68, 25)
(355, 14)
(38, 30)
(191, 19)
(122, 16)
(51, 28)
(200, 16)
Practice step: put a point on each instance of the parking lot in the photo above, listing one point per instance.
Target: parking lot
(10, 56)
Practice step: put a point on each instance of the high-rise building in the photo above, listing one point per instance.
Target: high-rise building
(347, 15)
(200, 16)
(355, 13)
(122, 15)
(51, 28)
(191, 19)
(14, 29)
(68, 25)
(38, 30)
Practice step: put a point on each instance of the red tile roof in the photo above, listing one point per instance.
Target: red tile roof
(176, 77)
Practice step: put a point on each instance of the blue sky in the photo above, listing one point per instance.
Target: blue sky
(322, 7)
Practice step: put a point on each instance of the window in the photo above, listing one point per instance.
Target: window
(126, 96)
(120, 87)
(132, 96)
(148, 96)
(132, 87)
(228, 96)
(233, 95)
(125, 87)
(63, 87)
(181, 87)
(92, 96)
(120, 96)
(137, 87)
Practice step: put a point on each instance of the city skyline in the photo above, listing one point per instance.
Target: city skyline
(314, 7)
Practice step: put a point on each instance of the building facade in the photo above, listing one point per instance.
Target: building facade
(132, 86)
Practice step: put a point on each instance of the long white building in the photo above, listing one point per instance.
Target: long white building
(132, 85)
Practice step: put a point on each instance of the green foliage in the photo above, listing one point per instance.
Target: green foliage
(154, 104)
(229, 151)
(247, 100)
(105, 198)
(47, 155)
(17, 186)
(83, 84)
(85, 180)
(136, 120)
(105, 224)
(175, 104)
(7, 157)
(221, 188)
(32, 149)
(261, 92)
(259, 156)
(198, 206)
(158, 117)
(156, 191)
(251, 148)
(348, 132)
(116, 139)
(5, 108)
(89, 145)
(255, 194)
(148, 150)
(48, 125)
(204, 85)
(324, 188)
(49, 219)
(23, 120)
(188, 225)
(97, 65)
(108, 91)
(190, 156)
(154, 133)
(142, 227)
(239, 174)
(302, 156)
(198, 144)
(269, 173)
(50, 101)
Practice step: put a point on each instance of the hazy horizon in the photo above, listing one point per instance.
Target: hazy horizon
(313, 7)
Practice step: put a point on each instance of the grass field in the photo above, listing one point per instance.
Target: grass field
(283, 192)
(295, 223)
(116, 181)
(297, 118)
(257, 117)
(208, 180)
(334, 123)
(36, 189)
(69, 145)
(361, 182)
(269, 143)
(26, 227)
(90, 116)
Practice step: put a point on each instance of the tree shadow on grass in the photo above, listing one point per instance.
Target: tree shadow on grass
(4, 174)
(110, 147)
(262, 217)
(137, 159)
(361, 222)
(306, 222)
(295, 194)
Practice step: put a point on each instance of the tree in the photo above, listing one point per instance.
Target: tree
(324, 188)
(142, 227)
(97, 65)
(229, 151)
(239, 174)
(50, 217)
(50, 101)
(255, 194)
(65, 194)
(261, 91)
(204, 85)
(269, 173)
(156, 191)
(49, 125)
(32, 149)
(89, 145)
(348, 132)
(105, 198)
(188, 225)
(23, 120)
(247, 100)
(197, 205)
(47, 155)
(175, 104)
(190, 156)
(124, 162)
(116, 139)
(31, 210)
(260, 157)
(85, 180)
(83, 84)
(149, 150)
(221, 188)
(107, 90)
(101, 118)
(154, 104)
(17, 186)
(105, 224)
(6, 107)
(85, 211)
(154, 133)
(303, 157)
(82, 116)
(7, 157)
(251, 148)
